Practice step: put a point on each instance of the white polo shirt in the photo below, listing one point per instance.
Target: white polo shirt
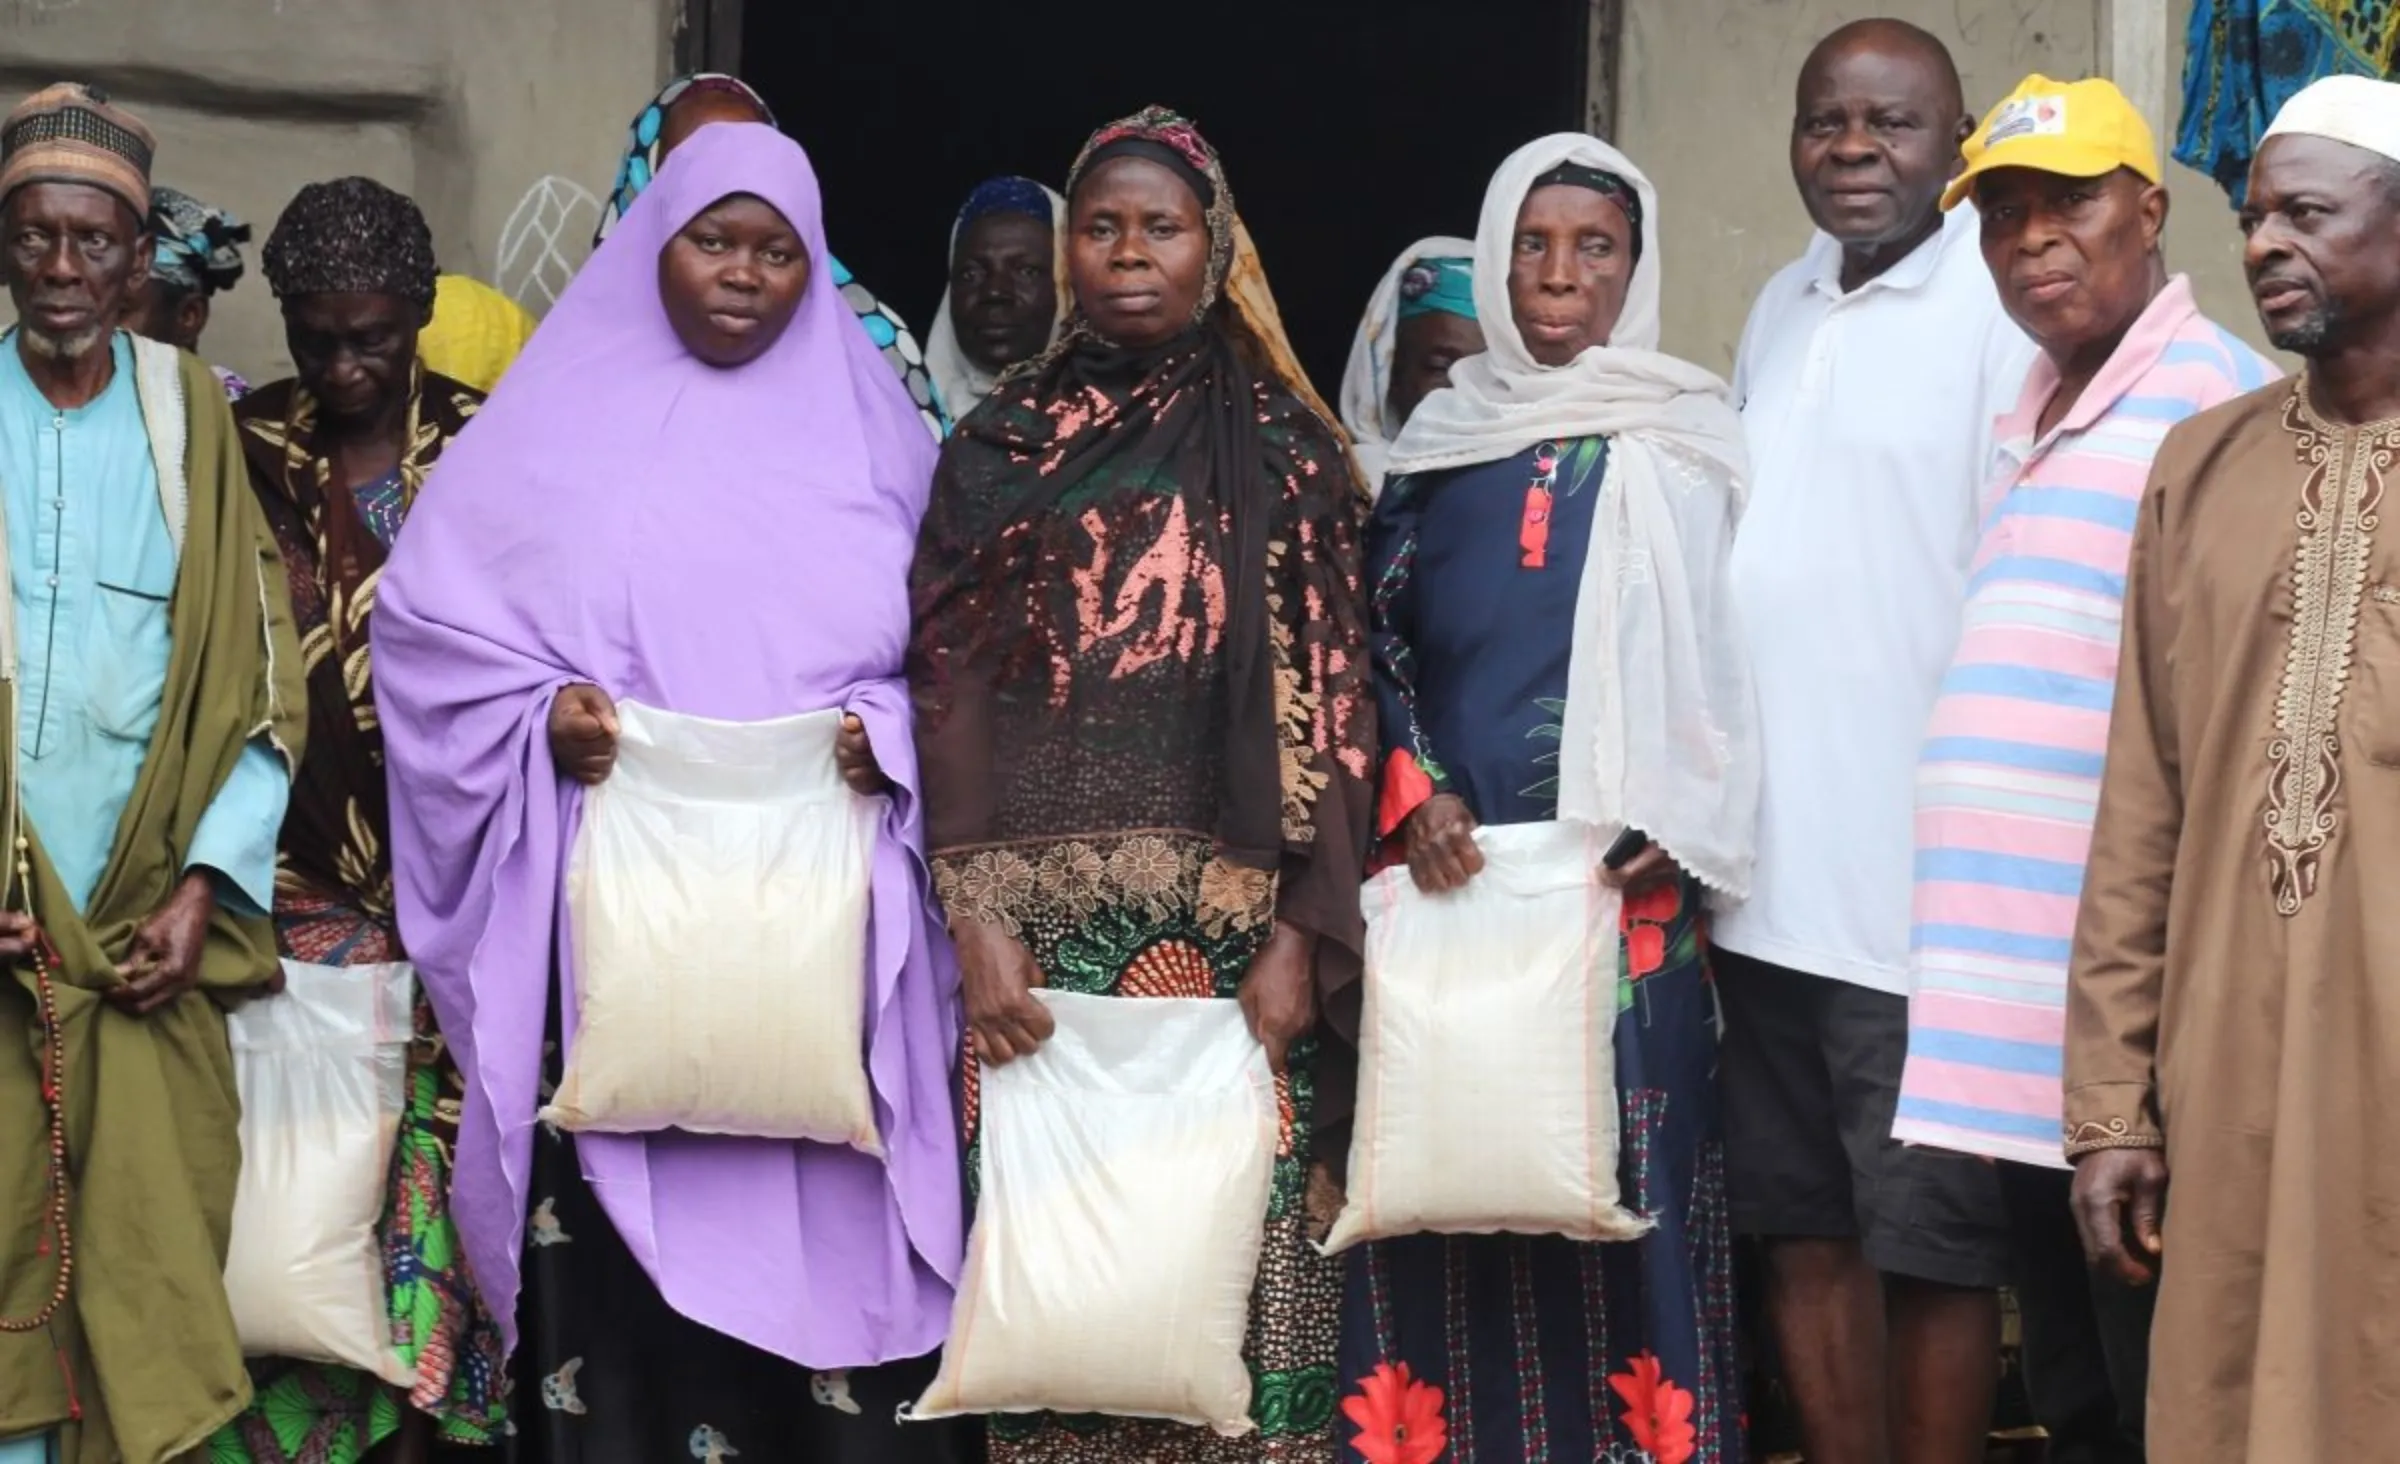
(1870, 424)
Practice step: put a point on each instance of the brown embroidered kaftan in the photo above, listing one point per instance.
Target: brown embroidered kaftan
(2234, 994)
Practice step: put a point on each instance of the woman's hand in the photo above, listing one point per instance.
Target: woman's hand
(854, 758)
(997, 976)
(1652, 866)
(1442, 854)
(583, 734)
(1279, 991)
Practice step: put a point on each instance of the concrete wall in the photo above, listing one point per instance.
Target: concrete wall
(1707, 107)
(504, 118)
(468, 105)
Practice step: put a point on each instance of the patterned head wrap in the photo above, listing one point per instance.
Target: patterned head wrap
(1170, 138)
(646, 150)
(1608, 185)
(199, 249)
(1007, 195)
(71, 133)
(1438, 286)
(351, 236)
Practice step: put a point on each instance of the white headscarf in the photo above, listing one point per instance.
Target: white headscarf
(1661, 724)
(961, 384)
(1367, 380)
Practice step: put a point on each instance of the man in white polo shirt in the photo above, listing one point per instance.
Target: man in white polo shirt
(1870, 376)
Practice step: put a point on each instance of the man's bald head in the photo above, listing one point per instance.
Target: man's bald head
(1896, 41)
(1876, 128)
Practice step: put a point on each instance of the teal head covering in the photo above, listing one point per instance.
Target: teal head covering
(1445, 285)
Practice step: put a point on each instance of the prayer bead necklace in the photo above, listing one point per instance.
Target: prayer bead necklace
(54, 1098)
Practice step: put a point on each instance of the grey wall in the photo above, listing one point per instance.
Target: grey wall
(466, 104)
(471, 104)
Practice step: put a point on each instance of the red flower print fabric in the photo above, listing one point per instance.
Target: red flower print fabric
(1657, 1413)
(1399, 1419)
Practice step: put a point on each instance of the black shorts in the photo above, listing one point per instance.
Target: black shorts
(1810, 1077)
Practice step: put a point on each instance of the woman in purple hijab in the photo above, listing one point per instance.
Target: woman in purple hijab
(698, 489)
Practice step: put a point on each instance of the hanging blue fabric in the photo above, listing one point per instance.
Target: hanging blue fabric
(2246, 58)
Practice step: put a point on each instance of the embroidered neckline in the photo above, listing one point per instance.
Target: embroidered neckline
(2337, 518)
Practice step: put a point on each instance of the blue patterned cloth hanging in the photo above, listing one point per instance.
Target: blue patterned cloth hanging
(2246, 58)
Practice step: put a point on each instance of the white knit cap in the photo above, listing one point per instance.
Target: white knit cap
(2357, 110)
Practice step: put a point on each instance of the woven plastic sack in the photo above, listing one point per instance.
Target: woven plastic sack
(718, 896)
(322, 1069)
(1125, 1169)
(1487, 1096)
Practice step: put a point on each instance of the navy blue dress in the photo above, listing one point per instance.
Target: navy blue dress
(1547, 1349)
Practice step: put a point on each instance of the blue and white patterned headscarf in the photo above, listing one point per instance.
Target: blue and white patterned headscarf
(883, 326)
(197, 248)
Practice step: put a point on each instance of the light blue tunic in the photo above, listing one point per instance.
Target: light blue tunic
(93, 568)
(34, 1450)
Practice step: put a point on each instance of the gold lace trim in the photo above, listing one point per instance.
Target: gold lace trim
(2094, 1135)
(2337, 519)
(1296, 712)
(1074, 879)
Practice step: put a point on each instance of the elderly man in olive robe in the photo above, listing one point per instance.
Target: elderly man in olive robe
(150, 714)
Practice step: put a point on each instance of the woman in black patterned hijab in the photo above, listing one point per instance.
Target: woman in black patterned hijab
(336, 455)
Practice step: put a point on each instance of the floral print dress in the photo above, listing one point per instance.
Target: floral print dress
(333, 907)
(1538, 1349)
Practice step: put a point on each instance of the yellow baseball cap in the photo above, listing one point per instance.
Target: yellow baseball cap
(2076, 129)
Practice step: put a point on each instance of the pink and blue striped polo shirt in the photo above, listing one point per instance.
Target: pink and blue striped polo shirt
(2009, 779)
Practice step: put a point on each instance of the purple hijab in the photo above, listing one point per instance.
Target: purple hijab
(725, 543)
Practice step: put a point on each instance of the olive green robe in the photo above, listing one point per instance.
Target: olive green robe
(142, 1363)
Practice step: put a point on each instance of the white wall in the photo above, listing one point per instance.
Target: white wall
(1707, 107)
(465, 104)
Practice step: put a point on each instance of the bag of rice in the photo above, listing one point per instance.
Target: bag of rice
(718, 899)
(321, 1068)
(1125, 1169)
(1487, 1087)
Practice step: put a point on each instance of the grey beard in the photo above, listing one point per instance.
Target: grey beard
(62, 348)
(2309, 337)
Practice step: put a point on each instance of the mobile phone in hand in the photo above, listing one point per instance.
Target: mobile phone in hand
(1622, 852)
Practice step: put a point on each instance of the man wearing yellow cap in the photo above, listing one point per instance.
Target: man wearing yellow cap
(2065, 180)
(150, 712)
(2232, 1036)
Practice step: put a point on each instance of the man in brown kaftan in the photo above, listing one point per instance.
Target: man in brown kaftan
(2233, 1018)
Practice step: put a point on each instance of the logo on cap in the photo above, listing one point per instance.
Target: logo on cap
(2028, 117)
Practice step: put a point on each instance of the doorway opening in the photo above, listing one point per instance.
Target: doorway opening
(1349, 128)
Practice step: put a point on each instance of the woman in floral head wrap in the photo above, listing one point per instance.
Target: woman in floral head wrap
(196, 256)
(1139, 669)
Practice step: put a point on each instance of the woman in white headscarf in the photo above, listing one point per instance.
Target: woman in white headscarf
(1007, 296)
(1419, 323)
(1553, 640)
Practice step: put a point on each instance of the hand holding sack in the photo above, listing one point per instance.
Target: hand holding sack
(1124, 1168)
(322, 1070)
(718, 898)
(1487, 1098)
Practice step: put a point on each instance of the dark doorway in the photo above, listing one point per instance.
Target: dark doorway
(1349, 127)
